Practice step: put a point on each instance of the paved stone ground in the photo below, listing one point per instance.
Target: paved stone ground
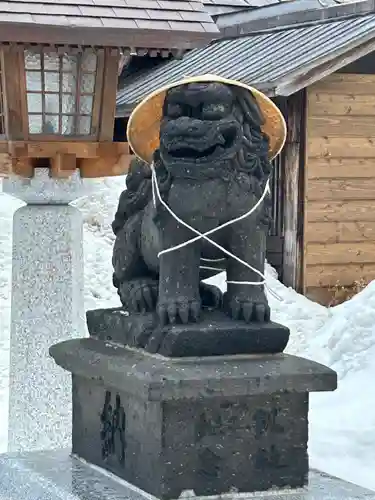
(54, 475)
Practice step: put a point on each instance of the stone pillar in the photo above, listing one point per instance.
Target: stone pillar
(47, 307)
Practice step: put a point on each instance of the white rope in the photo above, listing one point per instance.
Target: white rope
(222, 259)
(156, 194)
(219, 269)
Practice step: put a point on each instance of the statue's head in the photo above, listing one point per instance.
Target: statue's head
(205, 120)
(199, 124)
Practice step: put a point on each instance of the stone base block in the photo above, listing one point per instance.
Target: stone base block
(215, 335)
(211, 425)
(55, 475)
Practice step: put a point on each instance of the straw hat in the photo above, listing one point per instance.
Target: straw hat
(144, 122)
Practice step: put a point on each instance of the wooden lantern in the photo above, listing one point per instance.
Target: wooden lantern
(57, 108)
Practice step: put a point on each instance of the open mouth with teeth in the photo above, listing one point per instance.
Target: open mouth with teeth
(189, 150)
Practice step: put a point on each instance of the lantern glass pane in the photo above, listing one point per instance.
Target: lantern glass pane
(51, 124)
(33, 81)
(32, 60)
(51, 61)
(52, 103)
(89, 62)
(84, 125)
(68, 104)
(34, 102)
(35, 124)
(69, 83)
(52, 82)
(87, 83)
(85, 105)
(60, 92)
(69, 63)
(68, 125)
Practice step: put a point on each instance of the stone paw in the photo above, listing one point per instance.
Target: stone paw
(139, 295)
(211, 296)
(251, 308)
(178, 310)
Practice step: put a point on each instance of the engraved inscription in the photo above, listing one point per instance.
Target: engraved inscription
(210, 464)
(237, 419)
(235, 422)
(230, 417)
(267, 457)
(265, 422)
(266, 427)
(113, 424)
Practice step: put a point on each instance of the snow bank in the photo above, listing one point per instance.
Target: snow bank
(342, 424)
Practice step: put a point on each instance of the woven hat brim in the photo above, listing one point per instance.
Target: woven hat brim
(144, 123)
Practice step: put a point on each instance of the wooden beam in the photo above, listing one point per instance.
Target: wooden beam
(294, 159)
(5, 165)
(105, 167)
(50, 149)
(23, 167)
(63, 165)
(16, 125)
(108, 108)
(93, 159)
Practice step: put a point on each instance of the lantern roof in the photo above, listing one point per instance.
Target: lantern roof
(154, 24)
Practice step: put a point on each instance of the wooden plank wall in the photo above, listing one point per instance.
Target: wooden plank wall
(339, 224)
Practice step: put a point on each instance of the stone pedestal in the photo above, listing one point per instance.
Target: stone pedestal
(211, 425)
(47, 307)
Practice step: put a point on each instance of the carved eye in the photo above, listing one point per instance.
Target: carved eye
(174, 110)
(214, 111)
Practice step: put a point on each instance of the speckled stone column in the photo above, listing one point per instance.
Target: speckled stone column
(47, 307)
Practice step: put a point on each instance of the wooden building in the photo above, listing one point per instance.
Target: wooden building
(321, 73)
(58, 77)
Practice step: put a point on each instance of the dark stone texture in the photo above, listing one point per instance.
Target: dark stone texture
(212, 167)
(204, 424)
(154, 377)
(209, 446)
(215, 335)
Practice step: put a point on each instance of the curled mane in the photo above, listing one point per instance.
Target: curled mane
(253, 157)
(138, 190)
(136, 195)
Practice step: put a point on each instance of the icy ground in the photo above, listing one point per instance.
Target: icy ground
(342, 424)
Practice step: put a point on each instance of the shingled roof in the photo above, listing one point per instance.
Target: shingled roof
(220, 7)
(181, 24)
(278, 62)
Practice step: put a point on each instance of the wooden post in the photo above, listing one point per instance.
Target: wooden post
(294, 152)
(109, 95)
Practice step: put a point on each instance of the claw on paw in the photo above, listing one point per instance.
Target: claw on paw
(248, 309)
(139, 295)
(178, 311)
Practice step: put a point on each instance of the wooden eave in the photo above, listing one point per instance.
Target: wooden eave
(107, 37)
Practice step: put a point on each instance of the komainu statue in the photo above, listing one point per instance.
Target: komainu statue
(197, 203)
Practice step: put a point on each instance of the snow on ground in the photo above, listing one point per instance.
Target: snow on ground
(342, 424)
